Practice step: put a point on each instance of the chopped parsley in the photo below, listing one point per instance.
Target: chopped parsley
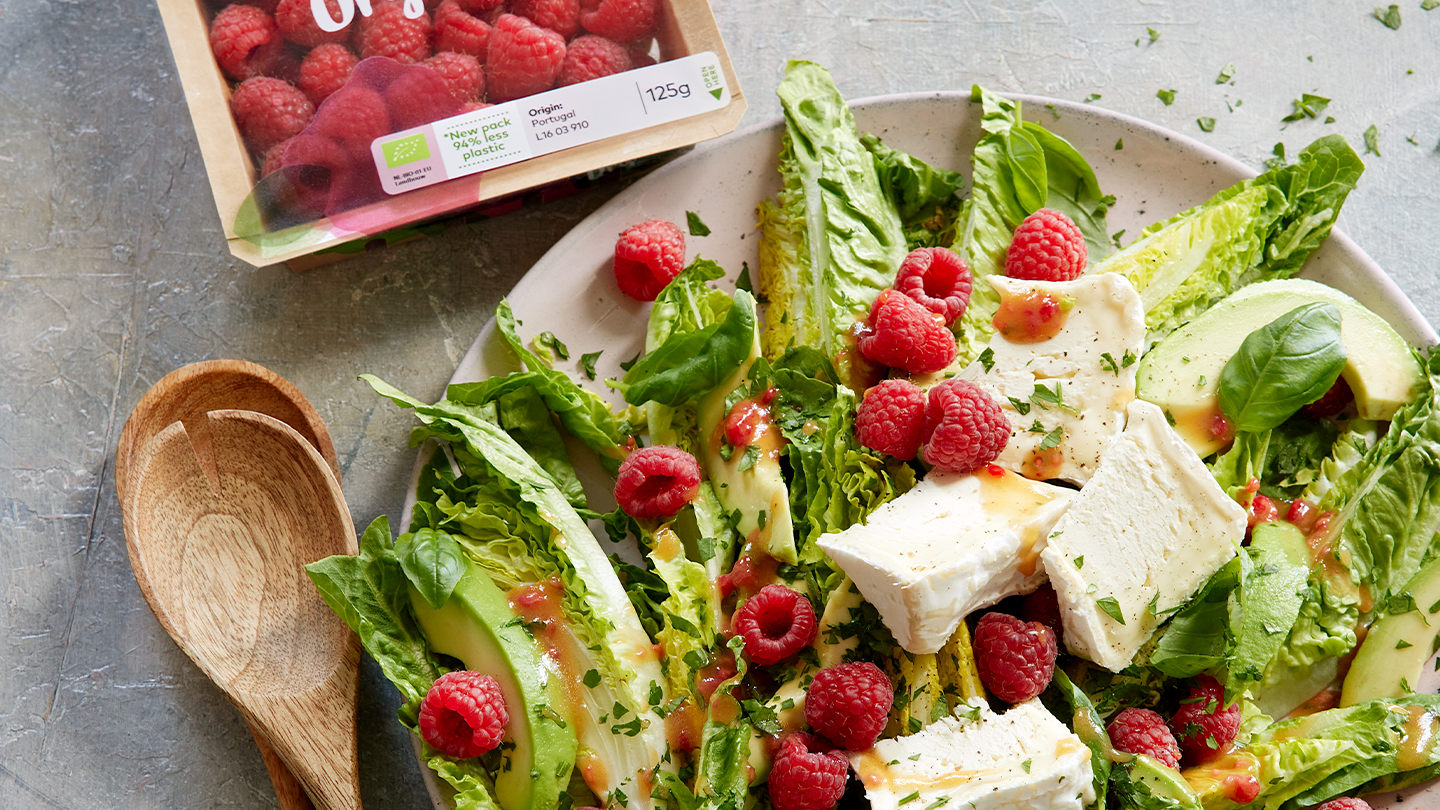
(1227, 73)
(587, 363)
(1111, 608)
(697, 227)
(1307, 106)
(1206, 123)
(1372, 141)
(1080, 562)
(1166, 96)
(987, 357)
(1390, 16)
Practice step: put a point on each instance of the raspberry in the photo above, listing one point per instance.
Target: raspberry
(656, 481)
(938, 280)
(964, 427)
(419, 95)
(560, 16)
(243, 39)
(1141, 731)
(268, 111)
(777, 622)
(640, 56)
(463, 715)
(804, 778)
(903, 334)
(891, 417)
(297, 23)
(647, 257)
(478, 6)
(355, 115)
(273, 156)
(590, 57)
(1345, 803)
(1046, 247)
(325, 70)
(314, 164)
(849, 704)
(459, 31)
(1202, 727)
(462, 74)
(523, 58)
(388, 32)
(1015, 658)
(1043, 606)
(621, 20)
(1333, 402)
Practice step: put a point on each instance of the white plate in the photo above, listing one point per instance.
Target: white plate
(572, 293)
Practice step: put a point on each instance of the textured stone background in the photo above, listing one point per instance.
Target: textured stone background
(113, 272)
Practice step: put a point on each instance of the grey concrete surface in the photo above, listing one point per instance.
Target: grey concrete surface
(113, 272)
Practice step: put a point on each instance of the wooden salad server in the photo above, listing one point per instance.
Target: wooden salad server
(182, 400)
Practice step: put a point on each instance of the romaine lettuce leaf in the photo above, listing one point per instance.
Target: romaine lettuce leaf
(923, 195)
(832, 240)
(1388, 504)
(597, 610)
(1304, 761)
(1258, 229)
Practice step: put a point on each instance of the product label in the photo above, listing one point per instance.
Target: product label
(550, 121)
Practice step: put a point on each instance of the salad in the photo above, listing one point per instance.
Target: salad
(625, 682)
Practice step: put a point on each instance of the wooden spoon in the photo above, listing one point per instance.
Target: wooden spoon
(186, 395)
(218, 533)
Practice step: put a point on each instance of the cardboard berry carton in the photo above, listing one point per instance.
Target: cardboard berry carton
(302, 174)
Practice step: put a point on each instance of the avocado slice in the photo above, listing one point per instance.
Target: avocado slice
(1397, 646)
(759, 490)
(477, 626)
(1163, 782)
(1182, 373)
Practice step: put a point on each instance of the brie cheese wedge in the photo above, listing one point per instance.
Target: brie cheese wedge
(1144, 534)
(1065, 396)
(951, 545)
(1023, 759)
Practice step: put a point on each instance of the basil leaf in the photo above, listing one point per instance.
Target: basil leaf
(1026, 161)
(691, 364)
(1289, 363)
(433, 562)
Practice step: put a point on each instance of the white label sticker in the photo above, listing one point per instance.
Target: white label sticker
(550, 121)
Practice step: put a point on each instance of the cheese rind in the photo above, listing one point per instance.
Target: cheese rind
(1024, 759)
(1107, 318)
(954, 543)
(1147, 531)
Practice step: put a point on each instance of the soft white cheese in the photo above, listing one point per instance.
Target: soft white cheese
(1086, 359)
(1147, 530)
(1023, 759)
(953, 544)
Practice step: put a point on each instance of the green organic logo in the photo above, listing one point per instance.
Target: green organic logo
(406, 150)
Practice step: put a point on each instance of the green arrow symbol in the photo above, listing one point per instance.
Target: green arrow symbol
(716, 92)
